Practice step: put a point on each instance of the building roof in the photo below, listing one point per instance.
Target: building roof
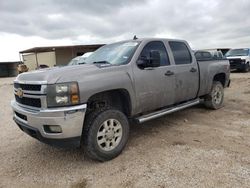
(53, 48)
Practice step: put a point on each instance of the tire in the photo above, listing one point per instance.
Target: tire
(214, 100)
(246, 68)
(105, 134)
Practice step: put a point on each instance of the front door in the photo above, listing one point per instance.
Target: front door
(154, 86)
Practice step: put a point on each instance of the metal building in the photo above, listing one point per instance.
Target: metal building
(54, 55)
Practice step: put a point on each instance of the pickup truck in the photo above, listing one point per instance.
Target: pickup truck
(239, 59)
(92, 104)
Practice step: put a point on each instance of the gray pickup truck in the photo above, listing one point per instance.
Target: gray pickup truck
(91, 104)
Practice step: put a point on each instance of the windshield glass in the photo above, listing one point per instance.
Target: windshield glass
(237, 52)
(115, 54)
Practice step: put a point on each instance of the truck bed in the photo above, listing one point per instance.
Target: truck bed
(211, 66)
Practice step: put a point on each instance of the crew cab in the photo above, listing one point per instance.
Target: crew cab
(92, 104)
(239, 59)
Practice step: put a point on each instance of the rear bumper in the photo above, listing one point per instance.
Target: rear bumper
(70, 119)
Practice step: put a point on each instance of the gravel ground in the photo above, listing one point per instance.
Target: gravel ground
(195, 147)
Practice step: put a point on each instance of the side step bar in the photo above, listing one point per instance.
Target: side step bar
(165, 111)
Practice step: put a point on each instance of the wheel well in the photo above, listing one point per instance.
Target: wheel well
(118, 98)
(221, 77)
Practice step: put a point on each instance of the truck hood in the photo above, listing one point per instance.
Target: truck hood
(57, 74)
(237, 57)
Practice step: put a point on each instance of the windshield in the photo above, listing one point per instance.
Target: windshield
(237, 52)
(115, 54)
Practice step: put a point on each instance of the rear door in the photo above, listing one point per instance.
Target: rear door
(186, 72)
(154, 86)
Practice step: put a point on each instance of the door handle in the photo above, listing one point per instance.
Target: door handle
(169, 73)
(193, 69)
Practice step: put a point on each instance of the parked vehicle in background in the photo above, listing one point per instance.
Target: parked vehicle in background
(239, 59)
(91, 105)
(74, 61)
(79, 59)
(22, 68)
(216, 54)
(84, 57)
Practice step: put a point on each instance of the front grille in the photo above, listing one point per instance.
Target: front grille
(235, 62)
(29, 101)
(29, 87)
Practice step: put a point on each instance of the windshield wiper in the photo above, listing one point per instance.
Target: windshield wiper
(101, 62)
(81, 63)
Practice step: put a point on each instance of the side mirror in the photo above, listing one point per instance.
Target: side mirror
(155, 58)
(142, 62)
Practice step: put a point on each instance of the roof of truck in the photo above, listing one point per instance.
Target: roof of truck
(149, 39)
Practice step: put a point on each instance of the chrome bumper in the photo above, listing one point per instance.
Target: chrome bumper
(70, 119)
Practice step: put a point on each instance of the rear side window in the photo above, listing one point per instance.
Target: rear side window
(203, 55)
(180, 52)
(158, 46)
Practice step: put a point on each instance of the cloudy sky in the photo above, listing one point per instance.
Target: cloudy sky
(203, 23)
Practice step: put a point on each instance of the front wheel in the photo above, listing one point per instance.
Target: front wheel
(214, 100)
(105, 134)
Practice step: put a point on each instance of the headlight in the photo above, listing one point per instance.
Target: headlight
(64, 94)
(243, 60)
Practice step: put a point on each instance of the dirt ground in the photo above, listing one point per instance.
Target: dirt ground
(195, 147)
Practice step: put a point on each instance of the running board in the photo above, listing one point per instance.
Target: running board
(165, 111)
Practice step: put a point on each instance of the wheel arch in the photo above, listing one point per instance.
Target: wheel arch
(118, 98)
(221, 77)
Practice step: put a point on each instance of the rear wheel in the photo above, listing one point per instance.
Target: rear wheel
(105, 134)
(214, 99)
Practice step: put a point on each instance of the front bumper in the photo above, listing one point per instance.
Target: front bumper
(70, 119)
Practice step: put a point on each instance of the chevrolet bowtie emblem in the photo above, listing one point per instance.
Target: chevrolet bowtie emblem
(19, 92)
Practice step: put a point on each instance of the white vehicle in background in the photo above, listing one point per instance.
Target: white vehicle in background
(79, 59)
(239, 59)
(74, 61)
(83, 58)
(216, 54)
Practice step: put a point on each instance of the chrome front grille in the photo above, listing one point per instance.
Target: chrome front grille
(30, 95)
(29, 101)
(28, 87)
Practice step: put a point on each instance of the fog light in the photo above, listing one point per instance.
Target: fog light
(52, 129)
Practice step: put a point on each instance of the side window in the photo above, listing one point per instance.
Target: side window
(181, 53)
(156, 46)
